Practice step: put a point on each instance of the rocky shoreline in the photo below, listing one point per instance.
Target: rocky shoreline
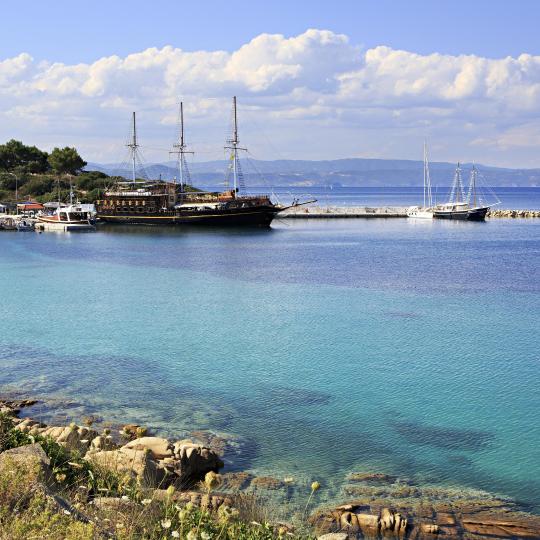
(375, 505)
(501, 213)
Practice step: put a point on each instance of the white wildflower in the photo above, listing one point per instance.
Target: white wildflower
(175, 534)
(125, 498)
(146, 501)
(166, 523)
(205, 535)
(67, 512)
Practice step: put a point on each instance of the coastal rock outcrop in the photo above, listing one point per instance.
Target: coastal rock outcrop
(155, 462)
(426, 523)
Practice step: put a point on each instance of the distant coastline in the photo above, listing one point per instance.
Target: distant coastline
(354, 172)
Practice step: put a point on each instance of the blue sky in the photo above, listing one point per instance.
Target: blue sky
(71, 31)
(70, 72)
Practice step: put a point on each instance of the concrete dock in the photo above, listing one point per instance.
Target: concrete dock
(322, 212)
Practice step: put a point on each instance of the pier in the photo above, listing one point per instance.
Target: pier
(322, 212)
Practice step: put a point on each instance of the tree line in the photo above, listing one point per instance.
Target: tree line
(44, 176)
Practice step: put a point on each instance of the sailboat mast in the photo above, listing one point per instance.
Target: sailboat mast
(474, 185)
(235, 147)
(133, 148)
(180, 149)
(427, 180)
(181, 161)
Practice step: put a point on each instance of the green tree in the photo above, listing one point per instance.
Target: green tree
(66, 160)
(39, 185)
(16, 156)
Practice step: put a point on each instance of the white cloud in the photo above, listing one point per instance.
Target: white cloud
(316, 94)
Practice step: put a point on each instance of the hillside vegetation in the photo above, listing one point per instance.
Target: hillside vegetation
(26, 172)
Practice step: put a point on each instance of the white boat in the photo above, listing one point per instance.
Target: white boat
(425, 211)
(74, 217)
(25, 224)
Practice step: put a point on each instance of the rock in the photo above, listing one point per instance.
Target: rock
(368, 523)
(138, 464)
(32, 462)
(102, 442)
(177, 446)
(194, 461)
(429, 528)
(267, 482)
(160, 448)
(30, 453)
(4, 409)
(387, 520)
(236, 481)
(371, 477)
(73, 437)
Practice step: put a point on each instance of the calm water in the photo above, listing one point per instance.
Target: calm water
(510, 197)
(322, 347)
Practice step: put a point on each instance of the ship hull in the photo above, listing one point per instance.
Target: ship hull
(251, 218)
(473, 214)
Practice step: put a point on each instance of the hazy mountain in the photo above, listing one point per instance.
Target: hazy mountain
(354, 172)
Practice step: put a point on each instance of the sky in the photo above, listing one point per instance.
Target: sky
(314, 79)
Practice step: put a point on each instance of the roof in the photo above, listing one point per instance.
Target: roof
(30, 205)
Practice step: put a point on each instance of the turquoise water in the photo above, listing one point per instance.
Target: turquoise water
(320, 347)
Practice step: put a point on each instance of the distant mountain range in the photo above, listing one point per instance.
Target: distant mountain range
(354, 172)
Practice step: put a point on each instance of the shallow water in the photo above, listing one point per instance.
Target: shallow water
(396, 346)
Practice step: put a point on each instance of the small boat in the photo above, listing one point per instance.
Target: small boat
(8, 224)
(425, 211)
(66, 218)
(468, 207)
(24, 225)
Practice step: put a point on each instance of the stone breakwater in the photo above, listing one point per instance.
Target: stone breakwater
(377, 506)
(501, 213)
(322, 212)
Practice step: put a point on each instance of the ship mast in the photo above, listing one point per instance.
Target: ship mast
(457, 195)
(180, 150)
(472, 186)
(233, 146)
(427, 179)
(133, 146)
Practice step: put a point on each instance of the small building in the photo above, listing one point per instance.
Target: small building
(3, 208)
(31, 207)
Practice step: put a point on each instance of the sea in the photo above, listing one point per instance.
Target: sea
(315, 349)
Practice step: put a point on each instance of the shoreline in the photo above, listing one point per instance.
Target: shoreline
(370, 502)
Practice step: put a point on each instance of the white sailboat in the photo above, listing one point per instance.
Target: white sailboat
(425, 211)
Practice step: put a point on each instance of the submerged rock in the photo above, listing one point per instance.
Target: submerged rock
(267, 482)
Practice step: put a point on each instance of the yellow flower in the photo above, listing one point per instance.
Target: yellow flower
(60, 477)
(315, 486)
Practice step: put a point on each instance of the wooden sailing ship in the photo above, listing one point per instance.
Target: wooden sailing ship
(171, 203)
